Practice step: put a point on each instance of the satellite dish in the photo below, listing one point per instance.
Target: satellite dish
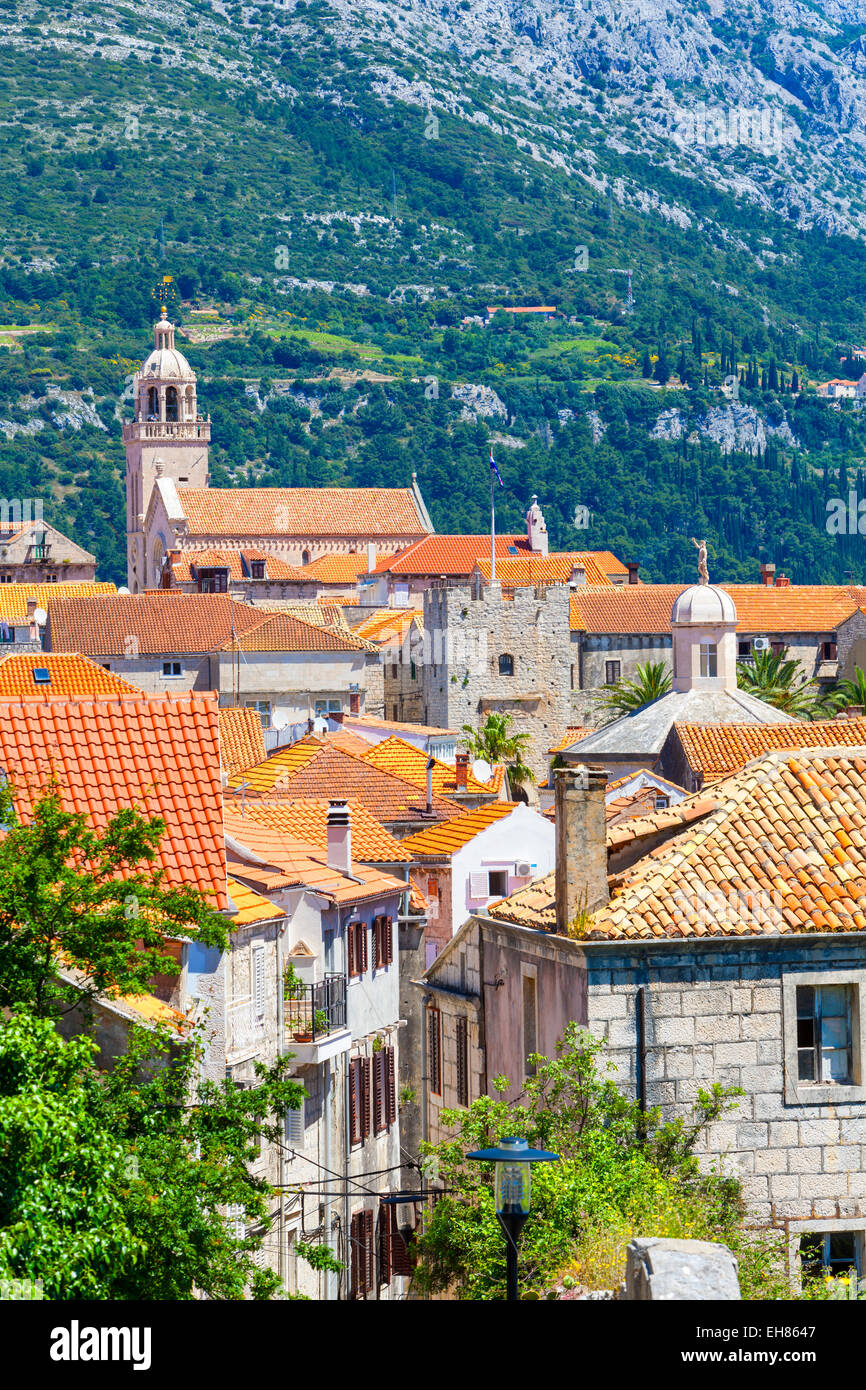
(40, 617)
(481, 770)
(123, 590)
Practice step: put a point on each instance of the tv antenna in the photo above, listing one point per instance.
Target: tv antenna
(629, 298)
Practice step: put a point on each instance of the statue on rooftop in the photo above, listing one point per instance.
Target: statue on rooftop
(703, 572)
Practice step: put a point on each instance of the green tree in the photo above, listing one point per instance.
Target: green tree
(113, 1183)
(495, 744)
(621, 1171)
(625, 696)
(781, 682)
(849, 692)
(98, 902)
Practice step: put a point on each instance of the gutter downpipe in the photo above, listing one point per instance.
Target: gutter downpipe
(284, 1273)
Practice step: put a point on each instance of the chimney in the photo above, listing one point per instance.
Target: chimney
(632, 566)
(581, 842)
(578, 575)
(371, 556)
(32, 605)
(854, 711)
(768, 570)
(339, 837)
(431, 763)
(782, 581)
(461, 767)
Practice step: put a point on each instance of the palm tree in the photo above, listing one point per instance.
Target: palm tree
(781, 682)
(847, 693)
(495, 744)
(625, 697)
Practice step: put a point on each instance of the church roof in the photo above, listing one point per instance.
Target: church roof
(555, 568)
(362, 512)
(150, 624)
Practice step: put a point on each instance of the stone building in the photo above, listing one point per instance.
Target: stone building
(490, 653)
(36, 553)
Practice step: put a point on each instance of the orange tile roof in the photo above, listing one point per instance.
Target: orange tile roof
(293, 862)
(158, 621)
(552, 569)
(233, 560)
(571, 735)
(338, 569)
(160, 753)
(448, 554)
(360, 512)
(405, 760)
(445, 839)
(251, 906)
(637, 608)
(371, 722)
(281, 632)
(242, 740)
(719, 749)
(307, 820)
(70, 674)
(308, 770)
(388, 625)
(14, 597)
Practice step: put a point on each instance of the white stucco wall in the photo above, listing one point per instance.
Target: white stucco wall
(523, 835)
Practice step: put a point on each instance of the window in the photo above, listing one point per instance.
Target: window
(434, 1050)
(661, 802)
(323, 708)
(777, 648)
(497, 883)
(171, 668)
(305, 557)
(263, 710)
(462, 1060)
(530, 1021)
(744, 649)
(359, 1099)
(824, 1040)
(5, 578)
(357, 947)
(413, 671)
(612, 672)
(393, 671)
(7, 633)
(384, 1092)
(828, 651)
(834, 1251)
(257, 569)
(383, 942)
(506, 664)
(394, 1257)
(213, 581)
(709, 659)
(572, 675)
(361, 1241)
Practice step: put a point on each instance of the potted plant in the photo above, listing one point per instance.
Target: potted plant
(321, 1022)
(293, 985)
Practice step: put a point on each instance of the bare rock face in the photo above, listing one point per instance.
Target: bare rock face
(479, 401)
(733, 426)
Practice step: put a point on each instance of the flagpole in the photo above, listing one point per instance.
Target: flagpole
(492, 529)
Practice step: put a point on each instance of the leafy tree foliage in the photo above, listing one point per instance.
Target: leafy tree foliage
(495, 744)
(782, 683)
(625, 696)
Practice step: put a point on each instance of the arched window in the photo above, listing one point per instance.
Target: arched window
(152, 403)
(305, 557)
(506, 664)
(170, 403)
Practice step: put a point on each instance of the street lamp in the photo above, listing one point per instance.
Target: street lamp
(513, 1161)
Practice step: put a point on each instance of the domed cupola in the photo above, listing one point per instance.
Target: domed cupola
(704, 633)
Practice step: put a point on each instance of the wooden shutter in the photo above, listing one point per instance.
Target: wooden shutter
(377, 943)
(384, 1245)
(462, 1061)
(390, 1086)
(355, 1101)
(362, 938)
(378, 1091)
(388, 940)
(356, 1260)
(354, 949)
(434, 1049)
(295, 1125)
(369, 1251)
(364, 1071)
(402, 1261)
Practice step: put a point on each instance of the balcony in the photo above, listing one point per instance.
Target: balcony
(315, 1019)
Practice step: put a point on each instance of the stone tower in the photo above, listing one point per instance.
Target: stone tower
(167, 438)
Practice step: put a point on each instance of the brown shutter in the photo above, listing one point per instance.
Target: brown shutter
(354, 1101)
(388, 932)
(402, 1261)
(378, 1091)
(462, 1062)
(364, 1066)
(369, 1251)
(351, 945)
(390, 1087)
(356, 1254)
(434, 1060)
(362, 936)
(384, 1245)
(377, 943)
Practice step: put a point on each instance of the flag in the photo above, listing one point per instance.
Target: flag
(494, 469)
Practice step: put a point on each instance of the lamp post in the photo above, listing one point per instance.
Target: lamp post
(513, 1159)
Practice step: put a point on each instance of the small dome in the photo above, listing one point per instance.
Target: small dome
(704, 605)
(167, 364)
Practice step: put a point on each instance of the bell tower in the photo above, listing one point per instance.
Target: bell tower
(167, 438)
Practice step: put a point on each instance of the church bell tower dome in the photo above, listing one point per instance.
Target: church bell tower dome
(165, 363)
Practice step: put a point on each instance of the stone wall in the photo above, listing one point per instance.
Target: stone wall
(714, 1012)
(461, 681)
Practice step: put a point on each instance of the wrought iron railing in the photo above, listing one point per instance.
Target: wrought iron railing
(315, 1010)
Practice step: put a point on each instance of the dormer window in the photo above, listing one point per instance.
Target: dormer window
(213, 581)
(709, 659)
(257, 569)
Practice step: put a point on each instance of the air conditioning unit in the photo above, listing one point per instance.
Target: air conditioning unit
(761, 644)
(523, 868)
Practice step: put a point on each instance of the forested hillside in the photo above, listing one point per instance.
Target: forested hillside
(329, 217)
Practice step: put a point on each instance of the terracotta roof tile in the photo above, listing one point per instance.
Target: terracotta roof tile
(571, 735)
(302, 511)
(289, 861)
(719, 749)
(251, 906)
(159, 753)
(185, 563)
(451, 835)
(282, 632)
(242, 741)
(151, 624)
(338, 569)
(405, 760)
(637, 608)
(307, 820)
(554, 568)
(70, 674)
(14, 597)
(448, 554)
